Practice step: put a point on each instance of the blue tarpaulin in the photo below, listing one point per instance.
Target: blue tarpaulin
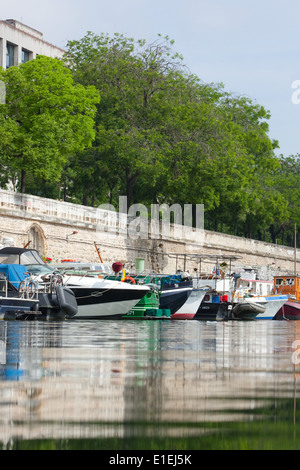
(15, 273)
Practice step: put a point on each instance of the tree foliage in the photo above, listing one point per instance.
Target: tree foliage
(45, 119)
(164, 136)
(158, 134)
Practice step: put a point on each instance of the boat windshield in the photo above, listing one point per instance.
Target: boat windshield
(39, 269)
(34, 263)
(31, 257)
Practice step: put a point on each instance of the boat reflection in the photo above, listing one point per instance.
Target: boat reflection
(118, 379)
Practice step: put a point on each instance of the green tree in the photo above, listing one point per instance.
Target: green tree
(135, 81)
(46, 118)
(249, 193)
(287, 183)
(164, 136)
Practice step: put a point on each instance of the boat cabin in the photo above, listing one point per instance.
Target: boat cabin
(287, 285)
(255, 287)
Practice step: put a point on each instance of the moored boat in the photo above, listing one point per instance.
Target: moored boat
(289, 311)
(241, 311)
(148, 307)
(175, 291)
(288, 285)
(249, 298)
(104, 298)
(20, 297)
(14, 306)
(250, 289)
(191, 305)
(96, 297)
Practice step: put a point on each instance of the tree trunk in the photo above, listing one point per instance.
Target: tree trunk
(86, 200)
(249, 230)
(130, 182)
(235, 229)
(274, 232)
(23, 181)
(282, 235)
(259, 235)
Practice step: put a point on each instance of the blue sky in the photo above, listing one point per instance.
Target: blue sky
(250, 46)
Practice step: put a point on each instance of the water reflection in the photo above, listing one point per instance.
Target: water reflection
(104, 379)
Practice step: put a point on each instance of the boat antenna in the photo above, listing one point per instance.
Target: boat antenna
(98, 251)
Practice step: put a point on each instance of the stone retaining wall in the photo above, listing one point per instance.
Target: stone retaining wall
(49, 225)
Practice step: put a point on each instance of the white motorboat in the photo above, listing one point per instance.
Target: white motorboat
(250, 291)
(96, 296)
(104, 298)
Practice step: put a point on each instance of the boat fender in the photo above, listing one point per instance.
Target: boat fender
(67, 301)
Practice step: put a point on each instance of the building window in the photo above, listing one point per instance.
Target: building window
(25, 56)
(10, 55)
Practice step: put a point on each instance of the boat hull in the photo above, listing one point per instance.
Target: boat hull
(274, 304)
(56, 306)
(289, 311)
(174, 299)
(105, 310)
(209, 310)
(107, 299)
(13, 308)
(191, 306)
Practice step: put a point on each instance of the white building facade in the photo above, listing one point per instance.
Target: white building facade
(20, 43)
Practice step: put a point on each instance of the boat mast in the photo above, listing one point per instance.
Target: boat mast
(295, 252)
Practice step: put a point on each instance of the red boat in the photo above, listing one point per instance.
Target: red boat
(290, 311)
(288, 285)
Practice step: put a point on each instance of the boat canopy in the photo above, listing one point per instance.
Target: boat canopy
(12, 255)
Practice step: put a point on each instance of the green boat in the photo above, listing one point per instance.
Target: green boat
(148, 307)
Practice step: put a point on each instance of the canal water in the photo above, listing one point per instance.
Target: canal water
(147, 385)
